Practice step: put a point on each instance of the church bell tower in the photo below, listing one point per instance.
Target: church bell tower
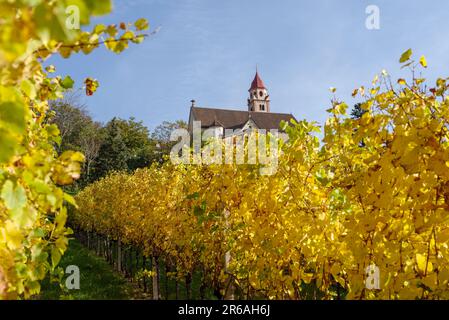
(259, 99)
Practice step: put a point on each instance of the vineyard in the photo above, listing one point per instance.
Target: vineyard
(357, 193)
(374, 191)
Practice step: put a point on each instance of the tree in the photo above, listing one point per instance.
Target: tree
(357, 112)
(113, 151)
(137, 140)
(161, 136)
(120, 145)
(78, 132)
(90, 144)
(70, 116)
(126, 146)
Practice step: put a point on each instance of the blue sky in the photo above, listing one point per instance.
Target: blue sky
(208, 50)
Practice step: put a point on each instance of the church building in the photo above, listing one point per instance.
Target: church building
(258, 115)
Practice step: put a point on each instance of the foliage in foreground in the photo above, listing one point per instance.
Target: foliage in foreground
(33, 235)
(375, 191)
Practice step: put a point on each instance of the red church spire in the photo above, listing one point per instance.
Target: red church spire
(257, 83)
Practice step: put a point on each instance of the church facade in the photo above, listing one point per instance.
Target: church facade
(258, 116)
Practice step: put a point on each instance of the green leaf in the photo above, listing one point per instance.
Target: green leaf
(69, 199)
(283, 125)
(341, 108)
(138, 39)
(8, 145)
(38, 233)
(99, 28)
(52, 130)
(23, 216)
(61, 218)
(194, 195)
(49, 26)
(40, 186)
(128, 35)
(141, 24)
(55, 256)
(28, 88)
(67, 83)
(197, 211)
(14, 197)
(99, 7)
(406, 56)
(12, 117)
(423, 61)
(112, 31)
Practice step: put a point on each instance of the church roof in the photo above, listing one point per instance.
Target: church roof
(233, 119)
(257, 83)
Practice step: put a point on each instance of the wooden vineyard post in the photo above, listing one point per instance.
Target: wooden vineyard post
(167, 270)
(144, 268)
(108, 249)
(119, 255)
(156, 295)
(131, 260)
(189, 286)
(203, 284)
(229, 290)
(98, 245)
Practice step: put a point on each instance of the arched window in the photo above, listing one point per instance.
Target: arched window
(262, 107)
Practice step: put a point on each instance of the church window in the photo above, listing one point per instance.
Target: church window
(262, 107)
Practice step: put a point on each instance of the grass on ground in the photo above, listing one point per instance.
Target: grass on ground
(98, 280)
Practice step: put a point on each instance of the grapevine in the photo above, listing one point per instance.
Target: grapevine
(374, 191)
(33, 214)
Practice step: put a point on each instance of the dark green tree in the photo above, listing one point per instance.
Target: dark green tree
(126, 146)
(357, 112)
